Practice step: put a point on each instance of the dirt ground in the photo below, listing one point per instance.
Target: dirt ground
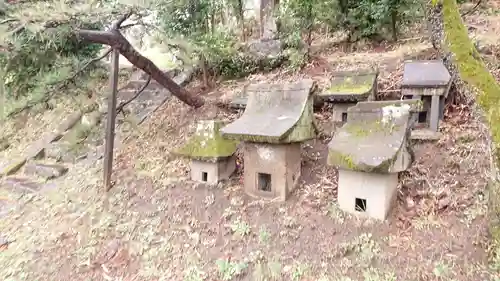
(156, 225)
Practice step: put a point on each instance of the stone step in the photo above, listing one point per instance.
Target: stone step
(20, 185)
(45, 171)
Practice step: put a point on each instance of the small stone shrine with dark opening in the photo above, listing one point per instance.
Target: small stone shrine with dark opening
(346, 89)
(212, 156)
(430, 82)
(277, 118)
(369, 151)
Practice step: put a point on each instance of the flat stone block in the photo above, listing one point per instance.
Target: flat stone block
(45, 171)
(340, 112)
(369, 194)
(12, 166)
(425, 73)
(69, 122)
(21, 185)
(212, 172)
(425, 134)
(350, 86)
(272, 171)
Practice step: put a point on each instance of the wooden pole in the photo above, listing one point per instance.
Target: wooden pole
(110, 125)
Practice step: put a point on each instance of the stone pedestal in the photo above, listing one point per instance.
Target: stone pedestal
(212, 172)
(339, 111)
(430, 82)
(367, 193)
(271, 170)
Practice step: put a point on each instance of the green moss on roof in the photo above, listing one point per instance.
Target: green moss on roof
(207, 143)
(356, 85)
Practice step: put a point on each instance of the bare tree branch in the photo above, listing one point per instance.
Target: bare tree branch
(116, 40)
(473, 9)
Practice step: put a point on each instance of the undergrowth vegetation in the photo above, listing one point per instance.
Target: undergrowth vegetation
(42, 61)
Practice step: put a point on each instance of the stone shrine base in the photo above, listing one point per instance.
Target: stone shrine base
(271, 171)
(339, 111)
(212, 172)
(370, 194)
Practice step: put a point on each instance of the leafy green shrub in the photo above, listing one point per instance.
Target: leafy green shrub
(376, 18)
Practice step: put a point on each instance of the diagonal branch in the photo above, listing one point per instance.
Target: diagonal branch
(123, 104)
(115, 39)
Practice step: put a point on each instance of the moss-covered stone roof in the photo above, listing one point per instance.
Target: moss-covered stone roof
(350, 86)
(276, 113)
(374, 139)
(207, 143)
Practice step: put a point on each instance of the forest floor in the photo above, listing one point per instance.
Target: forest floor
(156, 225)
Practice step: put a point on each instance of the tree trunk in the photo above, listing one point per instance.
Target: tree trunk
(474, 85)
(115, 39)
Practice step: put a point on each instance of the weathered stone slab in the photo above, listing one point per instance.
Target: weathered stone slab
(265, 49)
(350, 86)
(69, 122)
(44, 171)
(12, 166)
(147, 103)
(374, 139)
(276, 113)
(207, 142)
(36, 149)
(431, 73)
(20, 185)
(425, 135)
(91, 119)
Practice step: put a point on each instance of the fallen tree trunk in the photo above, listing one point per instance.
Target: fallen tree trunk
(115, 39)
(474, 85)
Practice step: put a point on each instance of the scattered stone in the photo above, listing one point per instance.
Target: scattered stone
(108, 252)
(37, 149)
(4, 242)
(91, 119)
(12, 166)
(55, 151)
(21, 185)
(45, 171)
(69, 122)
(4, 144)
(265, 49)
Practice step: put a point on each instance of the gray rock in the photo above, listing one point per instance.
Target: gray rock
(265, 49)
(44, 171)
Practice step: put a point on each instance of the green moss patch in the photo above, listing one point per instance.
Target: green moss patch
(207, 142)
(351, 85)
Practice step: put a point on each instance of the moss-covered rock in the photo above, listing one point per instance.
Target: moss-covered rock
(350, 86)
(207, 143)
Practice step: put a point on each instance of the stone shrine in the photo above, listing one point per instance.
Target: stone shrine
(430, 82)
(369, 151)
(277, 118)
(346, 89)
(212, 156)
